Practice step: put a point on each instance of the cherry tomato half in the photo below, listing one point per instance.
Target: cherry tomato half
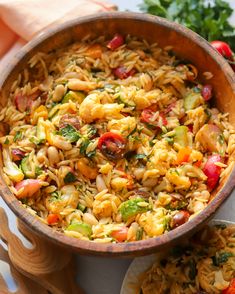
(112, 145)
(53, 218)
(223, 48)
(212, 171)
(120, 235)
(147, 116)
(116, 42)
(122, 73)
(230, 289)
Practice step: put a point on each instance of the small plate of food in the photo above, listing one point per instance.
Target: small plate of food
(205, 263)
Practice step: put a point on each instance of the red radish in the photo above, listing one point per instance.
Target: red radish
(30, 187)
(24, 102)
(120, 235)
(121, 72)
(212, 171)
(223, 48)
(116, 42)
(207, 92)
(17, 154)
(180, 218)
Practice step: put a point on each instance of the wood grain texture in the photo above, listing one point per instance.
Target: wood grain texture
(42, 267)
(186, 45)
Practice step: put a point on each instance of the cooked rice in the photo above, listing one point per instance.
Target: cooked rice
(78, 187)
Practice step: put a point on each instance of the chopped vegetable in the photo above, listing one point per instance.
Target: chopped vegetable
(112, 145)
(10, 168)
(53, 219)
(208, 136)
(27, 188)
(207, 92)
(26, 168)
(39, 112)
(18, 136)
(139, 234)
(212, 171)
(230, 289)
(132, 207)
(183, 155)
(120, 235)
(75, 96)
(94, 51)
(210, 19)
(17, 154)
(192, 100)
(81, 228)
(122, 73)
(181, 136)
(69, 119)
(221, 257)
(116, 42)
(69, 178)
(149, 117)
(41, 133)
(70, 133)
(180, 218)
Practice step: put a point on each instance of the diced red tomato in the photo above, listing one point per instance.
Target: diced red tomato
(212, 171)
(147, 116)
(116, 42)
(207, 92)
(190, 127)
(197, 163)
(120, 235)
(17, 154)
(112, 145)
(53, 218)
(122, 73)
(230, 289)
(30, 187)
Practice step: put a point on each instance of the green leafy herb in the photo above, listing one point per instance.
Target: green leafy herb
(132, 207)
(221, 139)
(207, 18)
(6, 142)
(18, 136)
(221, 258)
(169, 140)
(84, 146)
(55, 196)
(140, 156)
(81, 207)
(69, 178)
(70, 133)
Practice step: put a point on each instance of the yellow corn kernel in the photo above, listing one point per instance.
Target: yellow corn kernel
(86, 170)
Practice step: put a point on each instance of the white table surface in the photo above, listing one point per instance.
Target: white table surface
(105, 275)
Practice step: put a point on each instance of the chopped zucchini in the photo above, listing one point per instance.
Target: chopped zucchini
(181, 136)
(75, 96)
(192, 100)
(81, 228)
(26, 168)
(132, 207)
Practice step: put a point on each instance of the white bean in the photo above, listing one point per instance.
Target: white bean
(58, 93)
(100, 184)
(53, 155)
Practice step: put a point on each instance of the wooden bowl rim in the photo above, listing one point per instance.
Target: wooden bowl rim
(131, 248)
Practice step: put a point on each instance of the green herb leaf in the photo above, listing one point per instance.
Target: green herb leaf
(6, 142)
(210, 19)
(221, 258)
(18, 136)
(70, 133)
(69, 178)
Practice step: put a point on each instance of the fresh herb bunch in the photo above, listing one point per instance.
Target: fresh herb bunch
(208, 18)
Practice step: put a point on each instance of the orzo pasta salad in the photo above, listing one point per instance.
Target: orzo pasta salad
(205, 266)
(113, 140)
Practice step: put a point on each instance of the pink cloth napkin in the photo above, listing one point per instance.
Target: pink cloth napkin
(21, 20)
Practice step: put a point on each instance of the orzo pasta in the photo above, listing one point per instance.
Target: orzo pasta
(205, 265)
(113, 141)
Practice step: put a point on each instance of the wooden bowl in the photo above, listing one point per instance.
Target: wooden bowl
(188, 46)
